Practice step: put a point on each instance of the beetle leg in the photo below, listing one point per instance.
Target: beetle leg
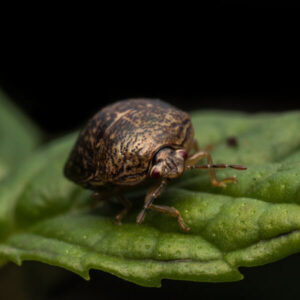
(106, 196)
(191, 164)
(195, 147)
(152, 193)
(209, 147)
(172, 212)
(127, 205)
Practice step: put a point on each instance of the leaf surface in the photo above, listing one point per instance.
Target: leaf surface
(18, 137)
(45, 217)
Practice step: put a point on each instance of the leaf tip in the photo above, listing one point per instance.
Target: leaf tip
(85, 274)
(17, 260)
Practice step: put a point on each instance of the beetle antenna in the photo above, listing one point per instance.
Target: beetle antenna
(218, 166)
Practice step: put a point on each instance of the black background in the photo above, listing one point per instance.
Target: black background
(60, 105)
(60, 98)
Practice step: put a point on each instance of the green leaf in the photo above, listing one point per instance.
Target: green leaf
(45, 217)
(18, 137)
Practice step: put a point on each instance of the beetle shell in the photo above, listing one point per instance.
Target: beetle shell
(118, 144)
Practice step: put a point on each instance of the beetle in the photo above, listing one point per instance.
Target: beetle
(132, 140)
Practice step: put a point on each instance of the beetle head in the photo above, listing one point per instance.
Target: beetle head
(168, 163)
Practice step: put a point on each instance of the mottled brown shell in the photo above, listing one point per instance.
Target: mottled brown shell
(118, 144)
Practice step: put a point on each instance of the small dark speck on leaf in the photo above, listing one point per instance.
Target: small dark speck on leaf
(232, 141)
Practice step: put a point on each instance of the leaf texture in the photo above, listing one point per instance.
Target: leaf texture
(18, 137)
(45, 217)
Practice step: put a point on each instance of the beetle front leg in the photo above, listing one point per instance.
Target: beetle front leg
(191, 164)
(172, 211)
(153, 193)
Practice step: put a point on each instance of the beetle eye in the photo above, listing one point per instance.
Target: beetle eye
(183, 154)
(154, 173)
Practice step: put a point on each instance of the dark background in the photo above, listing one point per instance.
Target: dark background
(60, 102)
(60, 105)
